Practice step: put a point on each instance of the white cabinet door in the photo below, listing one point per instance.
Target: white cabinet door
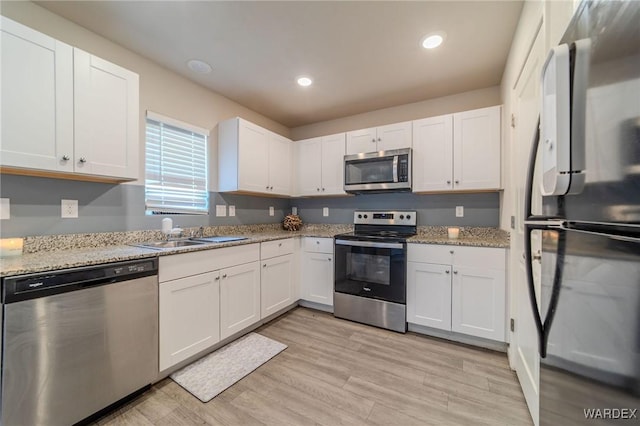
(394, 136)
(429, 295)
(37, 100)
(279, 165)
(317, 278)
(239, 298)
(189, 317)
(478, 302)
(364, 140)
(333, 151)
(309, 167)
(253, 161)
(276, 282)
(106, 117)
(476, 147)
(433, 154)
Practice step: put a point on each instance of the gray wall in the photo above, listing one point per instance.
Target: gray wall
(433, 209)
(102, 207)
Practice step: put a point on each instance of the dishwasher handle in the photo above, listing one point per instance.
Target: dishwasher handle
(33, 286)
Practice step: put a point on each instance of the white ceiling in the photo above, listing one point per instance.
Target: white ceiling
(362, 55)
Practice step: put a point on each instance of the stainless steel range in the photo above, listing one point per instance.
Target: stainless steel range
(370, 269)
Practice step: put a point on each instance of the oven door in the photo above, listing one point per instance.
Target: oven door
(371, 269)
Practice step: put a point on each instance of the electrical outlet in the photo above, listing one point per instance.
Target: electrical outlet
(232, 210)
(221, 210)
(294, 210)
(459, 211)
(5, 210)
(513, 222)
(69, 208)
(325, 211)
(272, 211)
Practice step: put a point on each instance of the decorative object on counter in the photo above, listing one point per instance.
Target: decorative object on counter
(11, 247)
(214, 373)
(292, 222)
(453, 232)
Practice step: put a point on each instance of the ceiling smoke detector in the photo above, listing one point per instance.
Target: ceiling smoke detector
(198, 66)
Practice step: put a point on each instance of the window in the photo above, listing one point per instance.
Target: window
(176, 167)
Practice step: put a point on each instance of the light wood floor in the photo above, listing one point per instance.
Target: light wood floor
(336, 372)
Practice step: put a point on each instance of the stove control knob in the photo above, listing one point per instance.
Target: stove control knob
(401, 216)
(408, 216)
(365, 216)
(359, 216)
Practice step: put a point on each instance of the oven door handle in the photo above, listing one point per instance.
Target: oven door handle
(372, 244)
(395, 168)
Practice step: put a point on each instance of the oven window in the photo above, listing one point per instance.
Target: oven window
(368, 268)
(372, 170)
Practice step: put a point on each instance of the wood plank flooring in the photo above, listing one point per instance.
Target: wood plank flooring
(337, 372)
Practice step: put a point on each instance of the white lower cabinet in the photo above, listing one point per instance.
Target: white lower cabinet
(239, 298)
(460, 289)
(277, 286)
(317, 270)
(189, 317)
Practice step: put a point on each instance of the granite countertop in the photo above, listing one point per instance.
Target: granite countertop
(49, 253)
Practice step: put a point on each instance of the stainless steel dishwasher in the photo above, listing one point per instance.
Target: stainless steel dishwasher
(76, 341)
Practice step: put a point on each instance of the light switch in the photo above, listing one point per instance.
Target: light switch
(69, 209)
(5, 212)
(221, 210)
(271, 211)
(232, 210)
(459, 211)
(325, 211)
(294, 210)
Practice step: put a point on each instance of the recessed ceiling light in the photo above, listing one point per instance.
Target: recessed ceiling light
(201, 67)
(433, 40)
(305, 81)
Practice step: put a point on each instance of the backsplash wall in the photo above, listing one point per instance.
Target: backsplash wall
(482, 209)
(102, 207)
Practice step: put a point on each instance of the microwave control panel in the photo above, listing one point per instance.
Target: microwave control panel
(403, 168)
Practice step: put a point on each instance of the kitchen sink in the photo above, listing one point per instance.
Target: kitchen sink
(169, 244)
(217, 239)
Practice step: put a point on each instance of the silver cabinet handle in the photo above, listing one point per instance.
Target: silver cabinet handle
(267, 187)
(65, 158)
(323, 189)
(217, 278)
(447, 271)
(329, 259)
(318, 189)
(271, 188)
(264, 265)
(448, 182)
(317, 242)
(379, 139)
(279, 244)
(224, 275)
(83, 160)
(451, 251)
(455, 272)
(457, 182)
(373, 140)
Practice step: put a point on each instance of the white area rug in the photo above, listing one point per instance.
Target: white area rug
(212, 374)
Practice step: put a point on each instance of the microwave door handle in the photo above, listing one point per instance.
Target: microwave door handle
(395, 168)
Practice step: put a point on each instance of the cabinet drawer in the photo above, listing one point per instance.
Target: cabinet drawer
(318, 245)
(187, 264)
(271, 249)
(429, 253)
(479, 257)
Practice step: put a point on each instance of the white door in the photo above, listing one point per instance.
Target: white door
(253, 161)
(189, 317)
(332, 164)
(394, 136)
(429, 295)
(361, 141)
(239, 298)
(276, 280)
(523, 350)
(433, 154)
(106, 117)
(477, 302)
(476, 149)
(279, 165)
(37, 99)
(317, 278)
(309, 167)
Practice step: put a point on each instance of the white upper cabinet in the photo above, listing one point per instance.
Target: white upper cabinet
(106, 117)
(457, 152)
(320, 165)
(383, 138)
(37, 100)
(64, 110)
(253, 159)
(476, 149)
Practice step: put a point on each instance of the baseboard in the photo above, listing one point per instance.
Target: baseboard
(316, 306)
(457, 337)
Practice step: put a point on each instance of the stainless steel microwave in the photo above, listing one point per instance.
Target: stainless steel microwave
(379, 171)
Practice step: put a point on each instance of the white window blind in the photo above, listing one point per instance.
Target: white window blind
(176, 167)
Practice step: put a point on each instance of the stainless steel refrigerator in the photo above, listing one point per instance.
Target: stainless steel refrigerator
(585, 162)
